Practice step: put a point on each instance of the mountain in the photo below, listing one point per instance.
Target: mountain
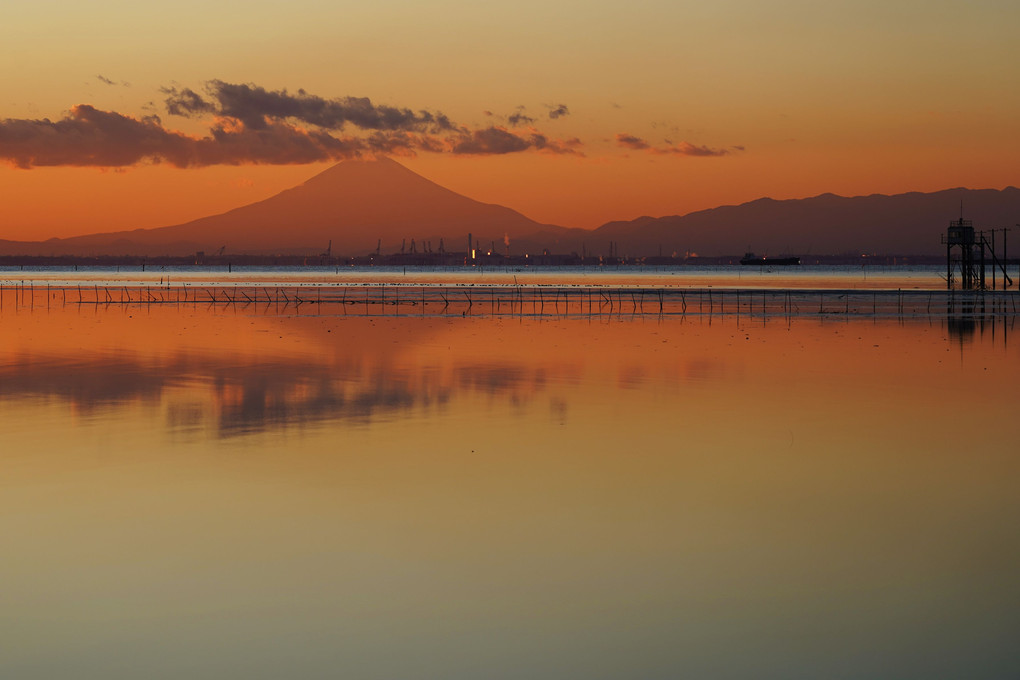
(903, 224)
(354, 204)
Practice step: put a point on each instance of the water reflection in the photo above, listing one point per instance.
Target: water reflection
(249, 397)
(963, 322)
(206, 493)
(233, 375)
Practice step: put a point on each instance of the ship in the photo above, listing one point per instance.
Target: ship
(751, 258)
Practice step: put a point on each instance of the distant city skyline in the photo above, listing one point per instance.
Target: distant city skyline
(119, 116)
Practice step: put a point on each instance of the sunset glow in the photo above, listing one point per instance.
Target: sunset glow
(572, 114)
(556, 339)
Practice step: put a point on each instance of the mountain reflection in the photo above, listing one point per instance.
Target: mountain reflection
(214, 373)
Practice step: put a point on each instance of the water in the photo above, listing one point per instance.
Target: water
(919, 277)
(220, 490)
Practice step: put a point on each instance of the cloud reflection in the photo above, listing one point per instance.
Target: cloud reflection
(246, 397)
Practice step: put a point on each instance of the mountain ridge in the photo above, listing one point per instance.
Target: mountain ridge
(361, 205)
(910, 223)
(354, 204)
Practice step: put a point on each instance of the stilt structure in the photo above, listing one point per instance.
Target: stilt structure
(962, 242)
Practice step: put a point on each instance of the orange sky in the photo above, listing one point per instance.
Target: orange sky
(574, 113)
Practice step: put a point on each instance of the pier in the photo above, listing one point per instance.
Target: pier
(971, 257)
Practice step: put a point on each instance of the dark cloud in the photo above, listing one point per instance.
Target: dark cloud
(496, 140)
(688, 149)
(491, 140)
(255, 106)
(275, 144)
(630, 141)
(403, 143)
(518, 117)
(249, 124)
(682, 149)
(90, 137)
(558, 111)
(186, 102)
(107, 81)
(557, 146)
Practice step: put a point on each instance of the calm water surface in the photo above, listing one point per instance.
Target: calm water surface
(864, 276)
(225, 491)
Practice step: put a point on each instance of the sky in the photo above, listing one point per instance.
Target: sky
(116, 114)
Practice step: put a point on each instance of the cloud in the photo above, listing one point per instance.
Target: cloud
(274, 144)
(631, 142)
(688, 149)
(496, 140)
(558, 111)
(490, 140)
(255, 107)
(106, 81)
(682, 149)
(186, 102)
(557, 146)
(90, 137)
(249, 124)
(518, 117)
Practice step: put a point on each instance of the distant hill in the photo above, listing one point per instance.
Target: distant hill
(356, 204)
(903, 224)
